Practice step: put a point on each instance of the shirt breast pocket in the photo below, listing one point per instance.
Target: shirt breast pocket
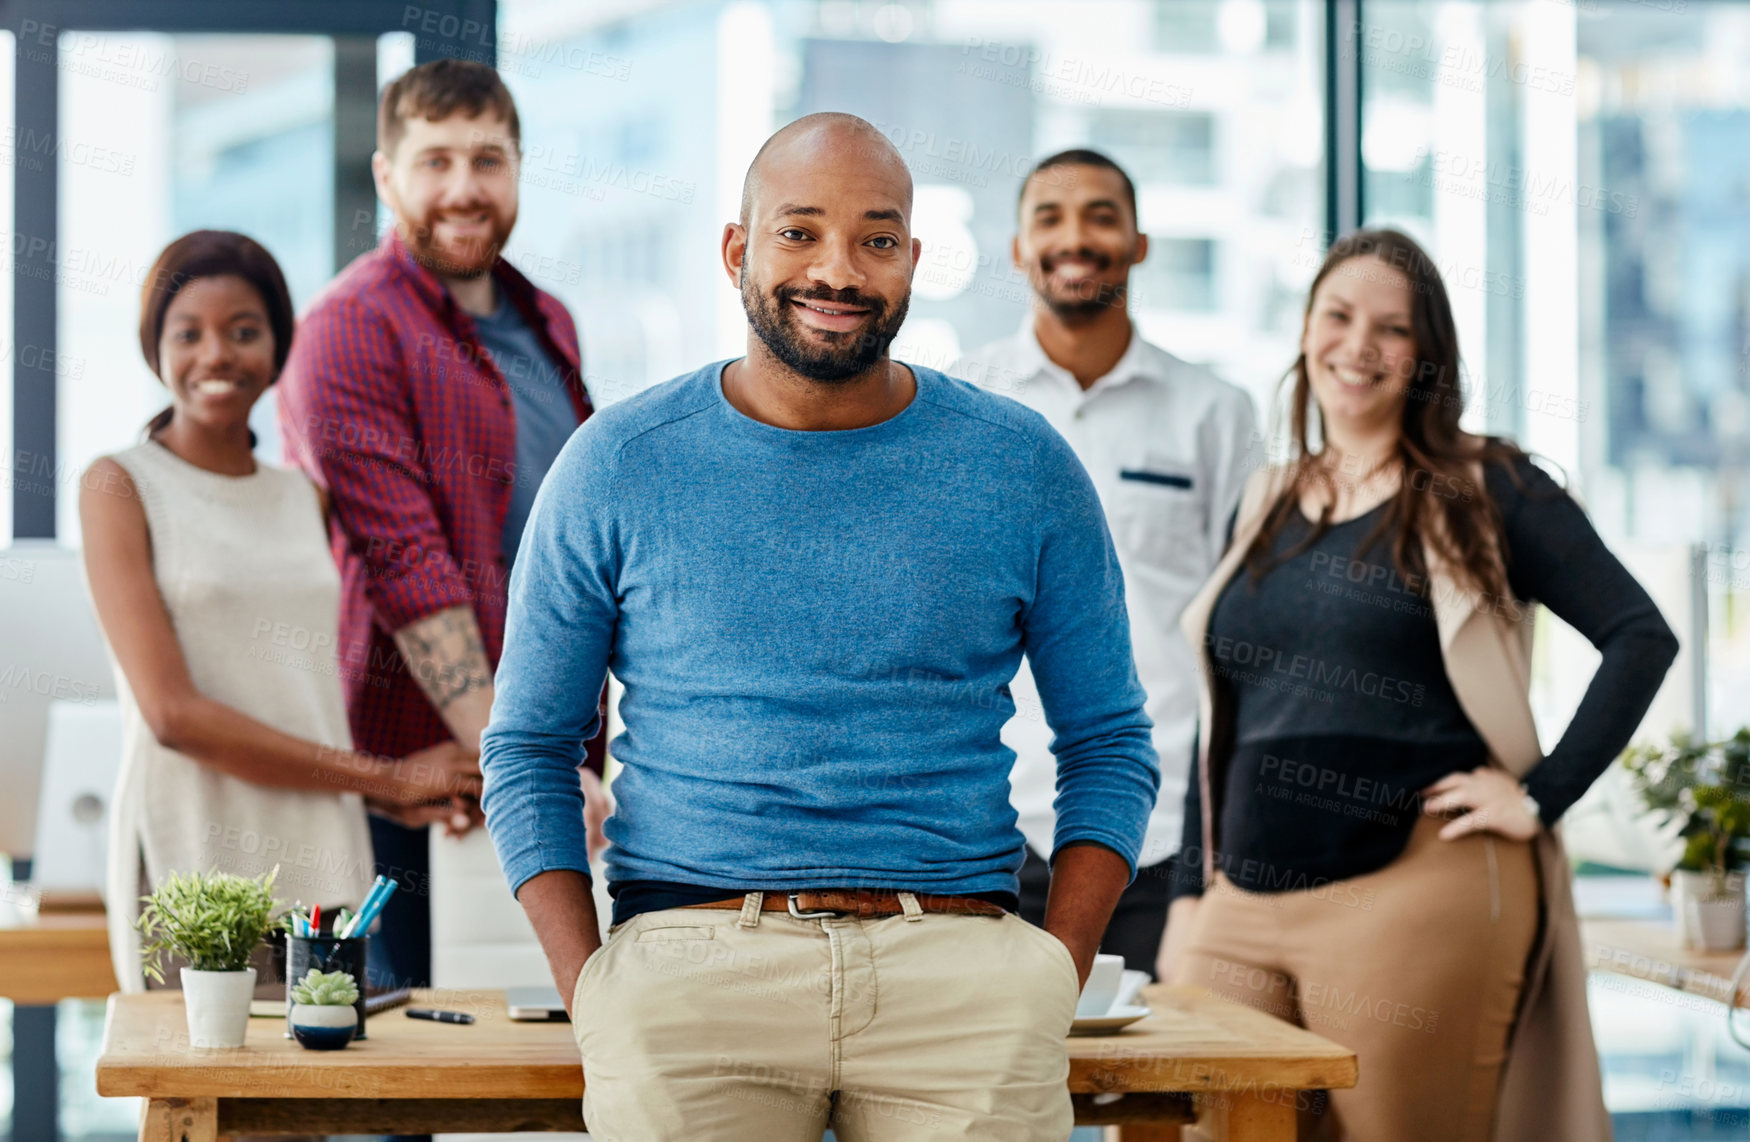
(1156, 514)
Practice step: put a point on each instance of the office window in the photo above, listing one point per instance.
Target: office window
(1212, 105)
(1171, 147)
(1281, 24)
(1179, 275)
(164, 134)
(1189, 28)
(1663, 187)
(1578, 172)
(9, 155)
(1440, 117)
(1665, 174)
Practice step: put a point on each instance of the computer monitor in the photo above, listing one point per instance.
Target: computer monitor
(50, 650)
(81, 759)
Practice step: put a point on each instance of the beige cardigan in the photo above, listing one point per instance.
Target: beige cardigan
(1551, 1089)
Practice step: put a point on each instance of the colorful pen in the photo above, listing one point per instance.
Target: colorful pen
(364, 922)
(367, 914)
(364, 906)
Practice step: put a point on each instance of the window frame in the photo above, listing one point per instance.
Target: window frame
(467, 26)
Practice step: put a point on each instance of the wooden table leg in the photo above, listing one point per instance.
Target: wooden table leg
(1246, 1117)
(1146, 1132)
(180, 1120)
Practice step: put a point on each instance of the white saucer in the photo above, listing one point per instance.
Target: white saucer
(1113, 1020)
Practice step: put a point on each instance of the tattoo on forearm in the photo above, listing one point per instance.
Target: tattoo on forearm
(445, 655)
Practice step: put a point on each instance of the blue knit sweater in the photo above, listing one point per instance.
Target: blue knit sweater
(815, 631)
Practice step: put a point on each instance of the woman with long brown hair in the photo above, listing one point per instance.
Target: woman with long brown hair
(212, 580)
(1371, 835)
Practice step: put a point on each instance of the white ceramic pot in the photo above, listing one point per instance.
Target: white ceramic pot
(218, 1006)
(323, 1027)
(1717, 925)
(1706, 921)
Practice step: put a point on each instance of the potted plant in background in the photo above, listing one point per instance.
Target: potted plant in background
(214, 921)
(1703, 790)
(323, 1017)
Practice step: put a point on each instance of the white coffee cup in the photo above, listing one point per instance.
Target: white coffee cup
(1101, 988)
(1130, 988)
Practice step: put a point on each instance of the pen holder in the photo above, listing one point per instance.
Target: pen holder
(327, 953)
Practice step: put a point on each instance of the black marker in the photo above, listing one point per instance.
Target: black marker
(437, 1016)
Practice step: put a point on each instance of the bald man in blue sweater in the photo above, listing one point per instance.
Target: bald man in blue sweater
(815, 571)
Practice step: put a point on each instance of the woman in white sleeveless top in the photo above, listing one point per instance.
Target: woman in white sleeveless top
(213, 582)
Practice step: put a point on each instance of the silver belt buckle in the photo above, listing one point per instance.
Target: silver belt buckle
(806, 915)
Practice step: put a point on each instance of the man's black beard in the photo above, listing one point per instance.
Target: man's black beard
(1078, 309)
(846, 355)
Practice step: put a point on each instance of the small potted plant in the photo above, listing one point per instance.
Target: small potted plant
(213, 921)
(323, 1017)
(1703, 790)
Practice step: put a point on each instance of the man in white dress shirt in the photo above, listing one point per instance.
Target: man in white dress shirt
(1168, 446)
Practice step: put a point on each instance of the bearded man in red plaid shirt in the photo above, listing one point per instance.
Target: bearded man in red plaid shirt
(429, 389)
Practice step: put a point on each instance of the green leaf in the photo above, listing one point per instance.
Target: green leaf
(325, 989)
(1706, 787)
(213, 920)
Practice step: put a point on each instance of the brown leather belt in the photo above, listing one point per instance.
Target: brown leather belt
(858, 902)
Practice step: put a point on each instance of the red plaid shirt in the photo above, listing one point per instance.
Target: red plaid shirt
(390, 403)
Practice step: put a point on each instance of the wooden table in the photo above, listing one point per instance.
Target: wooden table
(52, 956)
(45, 958)
(1649, 950)
(1234, 1071)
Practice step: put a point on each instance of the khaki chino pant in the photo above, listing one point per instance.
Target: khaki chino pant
(745, 1026)
(1417, 968)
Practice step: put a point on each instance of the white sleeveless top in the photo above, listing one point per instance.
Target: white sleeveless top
(243, 566)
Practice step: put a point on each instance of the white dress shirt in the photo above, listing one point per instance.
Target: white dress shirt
(1169, 446)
